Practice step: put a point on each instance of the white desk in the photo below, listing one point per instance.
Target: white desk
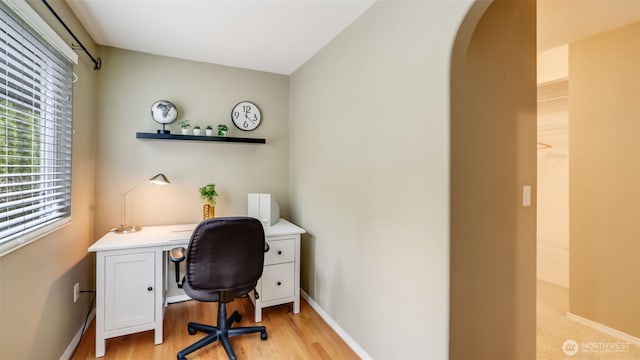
(132, 279)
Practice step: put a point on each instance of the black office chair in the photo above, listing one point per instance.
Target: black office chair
(224, 261)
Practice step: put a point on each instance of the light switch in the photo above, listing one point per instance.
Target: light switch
(526, 195)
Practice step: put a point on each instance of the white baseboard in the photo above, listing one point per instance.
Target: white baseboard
(66, 355)
(604, 329)
(323, 314)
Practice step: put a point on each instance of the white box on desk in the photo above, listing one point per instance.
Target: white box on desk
(263, 207)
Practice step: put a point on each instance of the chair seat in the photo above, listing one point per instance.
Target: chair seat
(208, 295)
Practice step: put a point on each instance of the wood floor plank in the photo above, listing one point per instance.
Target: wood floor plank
(291, 336)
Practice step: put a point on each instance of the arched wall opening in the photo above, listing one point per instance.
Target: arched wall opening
(493, 157)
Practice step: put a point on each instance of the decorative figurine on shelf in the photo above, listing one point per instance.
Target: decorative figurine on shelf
(208, 194)
(222, 129)
(164, 112)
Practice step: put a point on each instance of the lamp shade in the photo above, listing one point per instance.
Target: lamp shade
(160, 179)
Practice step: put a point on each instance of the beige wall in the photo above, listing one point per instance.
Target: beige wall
(604, 140)
(38, 318)
(205, 94)
(493, 154)
(369, 177)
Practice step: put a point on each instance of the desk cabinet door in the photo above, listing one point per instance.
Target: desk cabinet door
(129, 290)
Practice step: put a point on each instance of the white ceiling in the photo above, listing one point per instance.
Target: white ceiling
(563, 21)
(266, 35)
(280, 35)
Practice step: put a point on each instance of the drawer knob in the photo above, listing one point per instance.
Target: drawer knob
(279, 283)
(279, 252)
(150, 288)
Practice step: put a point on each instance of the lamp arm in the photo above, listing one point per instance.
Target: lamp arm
(123, 201)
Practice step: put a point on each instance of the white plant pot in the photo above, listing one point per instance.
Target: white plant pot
(209, 132)
(185, 131)
(196, 131)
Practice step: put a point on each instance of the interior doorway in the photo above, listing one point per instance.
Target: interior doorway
(567, 32)
(493, 157)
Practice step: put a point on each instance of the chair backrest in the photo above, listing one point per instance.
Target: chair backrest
(225, 258)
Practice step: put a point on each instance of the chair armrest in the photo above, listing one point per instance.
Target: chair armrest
(176, 255)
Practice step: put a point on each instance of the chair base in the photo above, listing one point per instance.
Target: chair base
(221, 332)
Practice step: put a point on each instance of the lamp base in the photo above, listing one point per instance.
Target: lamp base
(126, 229)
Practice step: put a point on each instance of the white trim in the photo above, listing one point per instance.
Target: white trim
(323, 314)
(604, 329)
(28, 15)
(24, 240)
(66, 355)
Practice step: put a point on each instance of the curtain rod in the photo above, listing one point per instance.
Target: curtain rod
(97, 62)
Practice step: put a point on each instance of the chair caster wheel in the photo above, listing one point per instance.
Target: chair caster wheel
(236, 317)
(264, 335)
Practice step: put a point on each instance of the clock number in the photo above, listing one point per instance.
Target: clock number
(236, 114)
(245, 124)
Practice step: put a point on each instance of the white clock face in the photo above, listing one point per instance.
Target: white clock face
(246, 116)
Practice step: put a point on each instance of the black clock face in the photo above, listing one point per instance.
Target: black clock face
(246, 116)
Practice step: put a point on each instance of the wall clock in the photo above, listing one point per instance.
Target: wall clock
(246, 116)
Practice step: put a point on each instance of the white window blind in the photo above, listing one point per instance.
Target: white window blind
(35, 134)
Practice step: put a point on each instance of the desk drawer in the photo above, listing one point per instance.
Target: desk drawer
(280, 251)
(278, 281)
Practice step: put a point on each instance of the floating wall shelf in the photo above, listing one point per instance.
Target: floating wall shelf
(141, 135)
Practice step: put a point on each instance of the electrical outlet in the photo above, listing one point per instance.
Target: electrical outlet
(76, 292)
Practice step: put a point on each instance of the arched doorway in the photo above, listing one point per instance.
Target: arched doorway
(493, 158)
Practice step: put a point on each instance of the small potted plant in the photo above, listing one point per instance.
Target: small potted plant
(209, 130)
(185, 125)
(208, 195)
(196, 130)
(222, 129)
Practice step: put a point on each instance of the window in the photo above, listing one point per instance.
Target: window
(35, 132)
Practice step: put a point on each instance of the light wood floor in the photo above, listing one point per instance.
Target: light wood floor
(291, 336)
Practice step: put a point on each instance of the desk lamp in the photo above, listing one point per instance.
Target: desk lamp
(159, 179)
